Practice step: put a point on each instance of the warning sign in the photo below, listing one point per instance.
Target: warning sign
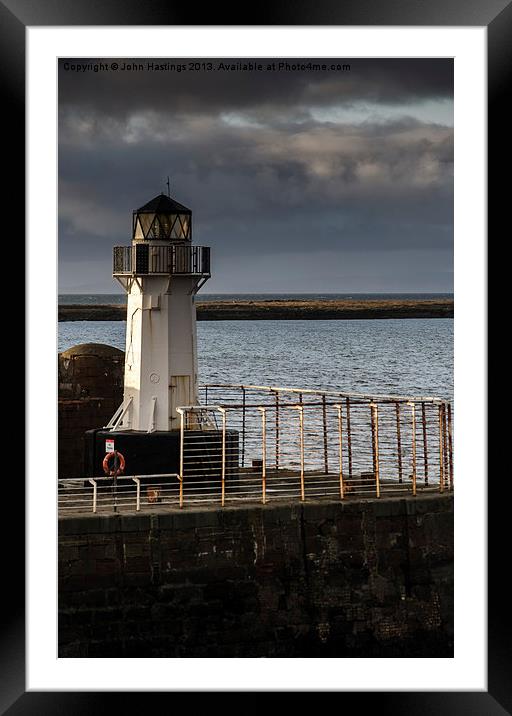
(109, 445)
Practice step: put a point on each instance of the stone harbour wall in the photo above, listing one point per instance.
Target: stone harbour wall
(359, 578)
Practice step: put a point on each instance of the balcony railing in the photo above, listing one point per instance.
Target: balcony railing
(144, 259)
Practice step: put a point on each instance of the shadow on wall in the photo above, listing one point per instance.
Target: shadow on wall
(90, 391)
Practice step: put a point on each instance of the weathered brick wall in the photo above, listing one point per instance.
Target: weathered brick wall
(372, 578)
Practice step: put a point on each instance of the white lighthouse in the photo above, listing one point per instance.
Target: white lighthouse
(161, 272)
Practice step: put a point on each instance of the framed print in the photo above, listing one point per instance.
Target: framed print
(255, 437)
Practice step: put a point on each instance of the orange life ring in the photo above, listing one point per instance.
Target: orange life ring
(120, 467)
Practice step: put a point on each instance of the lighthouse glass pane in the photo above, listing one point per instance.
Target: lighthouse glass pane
(155, 232)
(165, 223)
(165, 226)
(171, 218)
(184, 226)
(146, 221)
(138, 234)
(178, 231)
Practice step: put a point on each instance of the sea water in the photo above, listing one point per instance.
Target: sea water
(393, 356)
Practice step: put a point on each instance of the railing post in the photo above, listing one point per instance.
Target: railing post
(441, 456)
(450, 444)
(399, 442)
(413, 430)
(340, 435)
(300, 408)
(425, 447)
(114, 483)
(445, 445)
(277, 431)
(94, 494)
(375, 446)
(263, 412)
(349, 439)
(243, 426)
(223, 464)
(182, 446)
(324, 421)
(137, 504)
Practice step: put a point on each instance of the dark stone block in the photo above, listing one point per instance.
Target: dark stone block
(136, 579)
(135, 523)
(388, 507)
(207, 519)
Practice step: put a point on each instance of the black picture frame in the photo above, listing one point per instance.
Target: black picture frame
(15, 16)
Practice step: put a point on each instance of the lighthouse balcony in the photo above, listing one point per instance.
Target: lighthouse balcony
(147, 260)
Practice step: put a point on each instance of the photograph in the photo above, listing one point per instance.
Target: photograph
(255, 357)
(255, 260)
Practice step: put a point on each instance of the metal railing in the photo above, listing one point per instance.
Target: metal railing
(120, 494)
(176, 259)
(278, 443)
(263, 444)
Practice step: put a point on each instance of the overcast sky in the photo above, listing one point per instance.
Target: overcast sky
(300, 180)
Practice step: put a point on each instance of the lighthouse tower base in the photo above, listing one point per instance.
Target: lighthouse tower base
(158, 453)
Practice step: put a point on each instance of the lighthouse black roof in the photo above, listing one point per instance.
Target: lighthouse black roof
(163, 204)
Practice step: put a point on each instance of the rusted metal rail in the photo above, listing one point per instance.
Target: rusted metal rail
(263, 443)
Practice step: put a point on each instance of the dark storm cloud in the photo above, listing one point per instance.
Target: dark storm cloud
(263, 172)
(120, 93)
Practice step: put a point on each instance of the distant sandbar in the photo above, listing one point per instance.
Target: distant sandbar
(306, 309)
